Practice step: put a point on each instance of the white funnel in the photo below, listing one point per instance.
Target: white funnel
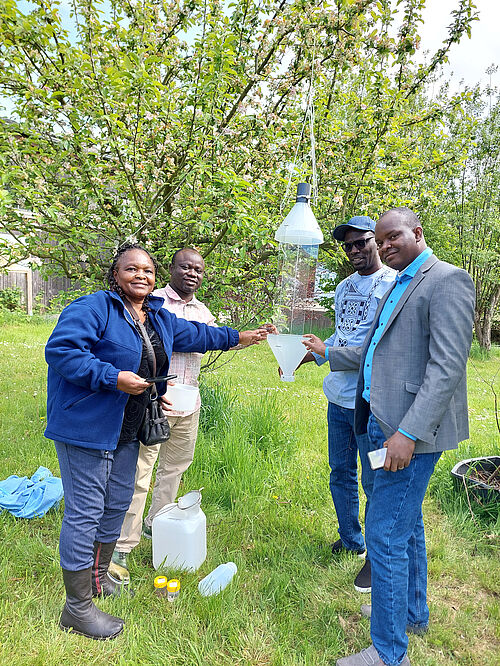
(288, 351)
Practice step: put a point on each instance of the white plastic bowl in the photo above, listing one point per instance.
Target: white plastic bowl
(183, 397)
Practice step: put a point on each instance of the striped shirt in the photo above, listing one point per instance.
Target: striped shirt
(186, 365)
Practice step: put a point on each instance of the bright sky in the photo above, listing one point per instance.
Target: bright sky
(469, 59)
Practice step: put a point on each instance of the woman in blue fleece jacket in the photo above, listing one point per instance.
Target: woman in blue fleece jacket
(96, 401)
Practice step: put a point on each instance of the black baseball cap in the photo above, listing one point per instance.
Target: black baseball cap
(358, 222)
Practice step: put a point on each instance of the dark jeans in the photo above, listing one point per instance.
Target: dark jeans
(343, 446)
(396, 543)
(98, 488)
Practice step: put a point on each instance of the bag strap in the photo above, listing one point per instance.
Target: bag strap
(150, 353)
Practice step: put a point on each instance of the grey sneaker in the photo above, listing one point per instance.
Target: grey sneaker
(147, 532)
(363, 581)
(367, 657)
(415, 629)
(366, 610)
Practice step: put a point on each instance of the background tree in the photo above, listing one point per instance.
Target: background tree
(175, 123)
(471, 209)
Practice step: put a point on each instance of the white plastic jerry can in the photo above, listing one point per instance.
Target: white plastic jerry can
(180, 534)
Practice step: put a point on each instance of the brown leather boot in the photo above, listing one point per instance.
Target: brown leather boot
(80, 614)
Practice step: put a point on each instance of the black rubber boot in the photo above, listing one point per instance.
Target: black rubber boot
(80, 614)
(102, 584)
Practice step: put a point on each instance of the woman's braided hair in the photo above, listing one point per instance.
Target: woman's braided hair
(113, 284)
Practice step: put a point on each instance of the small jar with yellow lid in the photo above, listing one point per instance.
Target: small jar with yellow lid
(173, 588)
(160, 584)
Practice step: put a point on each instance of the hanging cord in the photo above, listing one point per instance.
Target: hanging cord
(292, 166)
(310, 112)
(308, 116)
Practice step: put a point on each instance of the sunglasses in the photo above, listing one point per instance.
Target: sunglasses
(360, 244)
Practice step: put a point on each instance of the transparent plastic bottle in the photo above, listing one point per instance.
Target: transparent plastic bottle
(217, 579)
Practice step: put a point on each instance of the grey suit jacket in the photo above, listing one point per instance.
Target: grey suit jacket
(418, 380)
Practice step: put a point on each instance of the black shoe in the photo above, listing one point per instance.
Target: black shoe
(80, 614)
(147, 531)
(363, 581)
(104, 585)
(338, 548)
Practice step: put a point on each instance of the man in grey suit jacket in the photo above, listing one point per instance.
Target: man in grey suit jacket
(412, 399)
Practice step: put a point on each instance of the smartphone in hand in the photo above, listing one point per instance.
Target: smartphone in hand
(156, 380)
(377, 457)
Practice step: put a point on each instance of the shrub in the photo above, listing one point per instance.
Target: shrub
(63, 298)
(10, 299)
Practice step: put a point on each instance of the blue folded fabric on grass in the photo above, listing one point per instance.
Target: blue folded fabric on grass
(30, 498)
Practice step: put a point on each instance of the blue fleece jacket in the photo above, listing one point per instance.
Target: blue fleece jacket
(94, 339)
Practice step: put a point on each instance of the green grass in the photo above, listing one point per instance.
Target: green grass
(262, 460)
(472, 516)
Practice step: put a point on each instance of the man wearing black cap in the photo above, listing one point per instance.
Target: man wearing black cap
(356, 300)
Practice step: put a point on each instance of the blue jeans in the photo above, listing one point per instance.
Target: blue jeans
(98, 487)
(396, 543)
(343, 446)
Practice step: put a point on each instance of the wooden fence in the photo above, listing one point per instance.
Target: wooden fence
(34, 288)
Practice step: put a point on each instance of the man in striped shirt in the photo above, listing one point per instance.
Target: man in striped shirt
(175, 455)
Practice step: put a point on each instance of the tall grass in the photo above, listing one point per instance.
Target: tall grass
(240, 449)
(478, 353)
(472, 516)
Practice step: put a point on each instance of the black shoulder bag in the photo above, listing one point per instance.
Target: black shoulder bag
(155, 428)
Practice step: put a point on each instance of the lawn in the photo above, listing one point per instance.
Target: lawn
(262, 461)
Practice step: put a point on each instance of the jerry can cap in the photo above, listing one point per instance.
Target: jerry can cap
(190, 499)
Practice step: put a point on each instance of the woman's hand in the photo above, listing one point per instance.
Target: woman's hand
(252, 337)
(129, 382)
(314, 344)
